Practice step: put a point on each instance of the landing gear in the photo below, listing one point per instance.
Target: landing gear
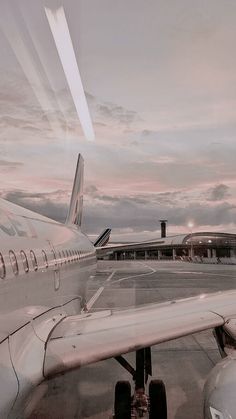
(122, 405)
(157, 400)
(140, 405)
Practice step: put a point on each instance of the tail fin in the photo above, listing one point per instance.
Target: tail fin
(76, 202)
(103, 238)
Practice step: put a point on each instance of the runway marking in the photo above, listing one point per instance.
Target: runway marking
(97, 294)
(137, 275)
(202, 273)
(187, 272)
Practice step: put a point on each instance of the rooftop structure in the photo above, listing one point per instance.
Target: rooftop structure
(196, 246)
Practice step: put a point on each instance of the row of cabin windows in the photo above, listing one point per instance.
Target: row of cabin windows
(66, 256)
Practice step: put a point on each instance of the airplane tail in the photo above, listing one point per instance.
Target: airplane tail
(74, 215)
(103, 238)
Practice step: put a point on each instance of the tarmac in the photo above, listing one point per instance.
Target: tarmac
(183, 364)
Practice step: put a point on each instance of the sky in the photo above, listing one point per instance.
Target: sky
(160, 82)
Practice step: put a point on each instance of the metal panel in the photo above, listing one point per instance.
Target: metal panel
(8, 383)
(74, 351)
(219, 389)
(80, 340)
(27, 354)
(43, 325)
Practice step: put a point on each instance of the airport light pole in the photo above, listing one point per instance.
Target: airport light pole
(191, 225)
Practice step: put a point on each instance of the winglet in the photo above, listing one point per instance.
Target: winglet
(76, 202)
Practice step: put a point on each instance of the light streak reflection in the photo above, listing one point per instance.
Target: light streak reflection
(60, 31)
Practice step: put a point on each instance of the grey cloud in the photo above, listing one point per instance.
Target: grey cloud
(136, 213)
(7, 120)
(142, 213)
(91, 190)
(219, 192)
(43, 203)
(11, 164)
(124, 116)
(162, 198)
(146, 132)
(109, 112)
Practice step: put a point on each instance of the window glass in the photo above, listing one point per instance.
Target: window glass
(45, 259)
(2, 267)
(70, 256)
(33, 260)
(54, 257)
(60, 258)
(24, 261)
(14, 263)
(63, 256)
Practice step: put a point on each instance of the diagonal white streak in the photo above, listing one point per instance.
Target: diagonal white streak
(97, 294)
(13, 33)
(61, 34)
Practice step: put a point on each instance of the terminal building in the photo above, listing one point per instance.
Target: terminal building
(200, 246)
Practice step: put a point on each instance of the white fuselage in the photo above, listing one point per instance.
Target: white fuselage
(44, 270)
(42, 262)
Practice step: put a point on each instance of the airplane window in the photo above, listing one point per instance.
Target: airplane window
(70, 258)
(2, 267)
(24, 261)
(33, 260)
(55, 258)
(14, 263)
(45, 259)
(60, 259)
(64, 256)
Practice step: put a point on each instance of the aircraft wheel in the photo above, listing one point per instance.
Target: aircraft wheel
(157, 400)
(122, 400)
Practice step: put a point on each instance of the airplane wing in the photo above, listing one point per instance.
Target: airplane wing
(92, 337)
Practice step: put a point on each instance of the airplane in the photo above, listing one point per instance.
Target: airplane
(45, 329)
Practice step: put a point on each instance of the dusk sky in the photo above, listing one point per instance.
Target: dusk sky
(160, 81)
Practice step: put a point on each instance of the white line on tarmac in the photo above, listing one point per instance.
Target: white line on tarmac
(187, 272)
(201, 273)
(135, 276)
(97, 294)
